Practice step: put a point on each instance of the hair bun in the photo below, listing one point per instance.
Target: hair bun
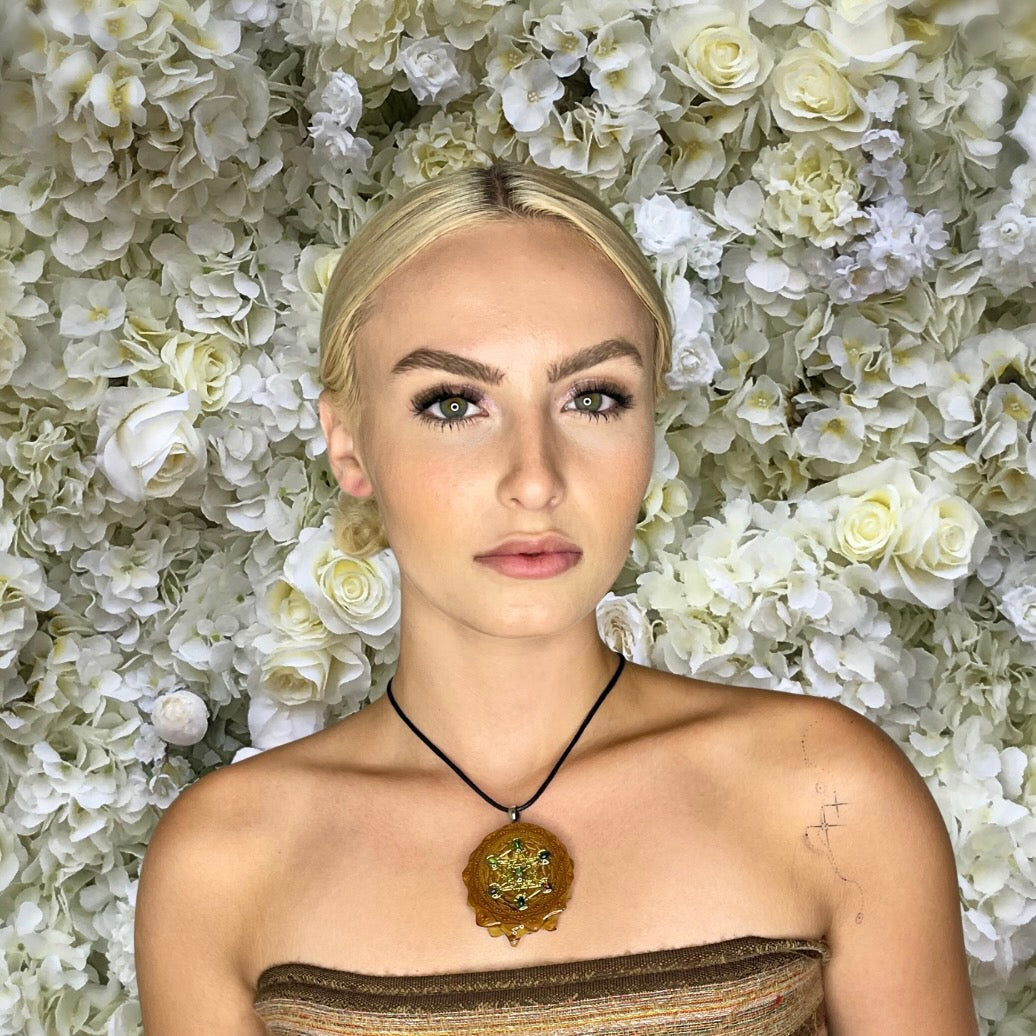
(358, 528)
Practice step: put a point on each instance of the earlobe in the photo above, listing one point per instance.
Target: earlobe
(342, 454)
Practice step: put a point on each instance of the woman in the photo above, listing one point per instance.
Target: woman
(493, 345)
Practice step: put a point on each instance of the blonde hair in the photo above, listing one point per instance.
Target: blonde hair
(401, 227)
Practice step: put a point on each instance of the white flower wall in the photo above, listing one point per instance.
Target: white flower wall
(840, 199)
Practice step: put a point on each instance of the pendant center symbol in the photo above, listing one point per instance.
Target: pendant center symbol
(520, 874)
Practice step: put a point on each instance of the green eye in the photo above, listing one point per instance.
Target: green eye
(588, 400)
(454, 406)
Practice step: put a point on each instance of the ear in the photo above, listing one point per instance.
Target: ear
(342, 452)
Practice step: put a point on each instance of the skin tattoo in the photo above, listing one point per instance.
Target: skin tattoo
(818, 836)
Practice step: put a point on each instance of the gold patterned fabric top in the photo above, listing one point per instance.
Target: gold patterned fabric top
(749, 986)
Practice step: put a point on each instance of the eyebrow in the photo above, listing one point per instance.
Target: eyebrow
(465, 367)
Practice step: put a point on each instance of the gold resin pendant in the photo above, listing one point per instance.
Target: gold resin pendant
(518, 880)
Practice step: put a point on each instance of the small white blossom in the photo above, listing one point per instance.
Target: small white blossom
(180, 717)
(430, 66)
(528, 93)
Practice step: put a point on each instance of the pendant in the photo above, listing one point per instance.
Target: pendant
(518, 880)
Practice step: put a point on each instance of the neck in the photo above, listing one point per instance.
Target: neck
(502, 709)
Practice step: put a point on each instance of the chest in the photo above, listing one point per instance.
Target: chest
(663, 855)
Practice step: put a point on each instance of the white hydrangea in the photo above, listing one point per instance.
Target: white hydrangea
(811, 192)
(528, 93)
(23, 594)
(851, 424)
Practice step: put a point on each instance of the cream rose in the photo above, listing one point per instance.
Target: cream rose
(943, 540)
(624, 627)
(1019, 605)
(296, 675)
(350, 595)
(146, 443)
(866, 525)
(316, 264)
(292, 614)
(940, 537)
(713, 50)
(203, 363)
(811, 95)
(863, 35)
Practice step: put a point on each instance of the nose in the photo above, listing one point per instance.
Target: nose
(533, 477)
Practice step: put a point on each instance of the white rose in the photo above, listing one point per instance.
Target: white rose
(940, 535)
(343, 99)
(852, 500)
(662, 225)
(351, 595)
(203, 363)
(864, 34)
(693, 360)
(713, 50)
(943, 539)
(180, 717)
(811, 95)
(296, 674)
(271, 724)
(1019, 605)
(624, 627)
(430, 66)
(146, 443)
(291, 613)
(866, 525)
(316, 264)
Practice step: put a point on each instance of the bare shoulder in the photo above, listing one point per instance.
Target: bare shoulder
(195, 908)
(869, 840)
(876, 843)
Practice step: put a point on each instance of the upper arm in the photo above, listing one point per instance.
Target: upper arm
(192, 902)
(898, 962)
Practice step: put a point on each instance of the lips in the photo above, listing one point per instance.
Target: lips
(550, 543)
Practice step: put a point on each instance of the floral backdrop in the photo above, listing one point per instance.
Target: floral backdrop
(839, 197)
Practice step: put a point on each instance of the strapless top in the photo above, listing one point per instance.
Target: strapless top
(748, 986)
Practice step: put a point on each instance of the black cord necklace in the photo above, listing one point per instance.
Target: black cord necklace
(520, 875)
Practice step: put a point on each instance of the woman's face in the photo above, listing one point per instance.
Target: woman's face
(476, 427)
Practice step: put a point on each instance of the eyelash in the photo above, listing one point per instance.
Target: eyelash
(421, 402)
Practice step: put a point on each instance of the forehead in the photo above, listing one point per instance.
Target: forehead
(522, 278)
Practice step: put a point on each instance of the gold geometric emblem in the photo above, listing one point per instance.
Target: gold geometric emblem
(518, 880)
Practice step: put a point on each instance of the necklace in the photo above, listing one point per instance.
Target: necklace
(520, 875)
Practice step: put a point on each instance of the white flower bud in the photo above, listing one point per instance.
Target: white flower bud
(180, 717)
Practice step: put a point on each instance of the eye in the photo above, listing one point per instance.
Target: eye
(446, 406)
(587, 400)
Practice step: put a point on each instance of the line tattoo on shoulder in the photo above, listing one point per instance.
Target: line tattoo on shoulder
(834, 813)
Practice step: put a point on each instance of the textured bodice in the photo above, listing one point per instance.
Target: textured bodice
(749, 986)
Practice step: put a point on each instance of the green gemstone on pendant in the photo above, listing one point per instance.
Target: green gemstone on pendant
(516, 844)
(493, 862)
(520, 902)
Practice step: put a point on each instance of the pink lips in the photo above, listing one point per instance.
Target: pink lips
(538, 557)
